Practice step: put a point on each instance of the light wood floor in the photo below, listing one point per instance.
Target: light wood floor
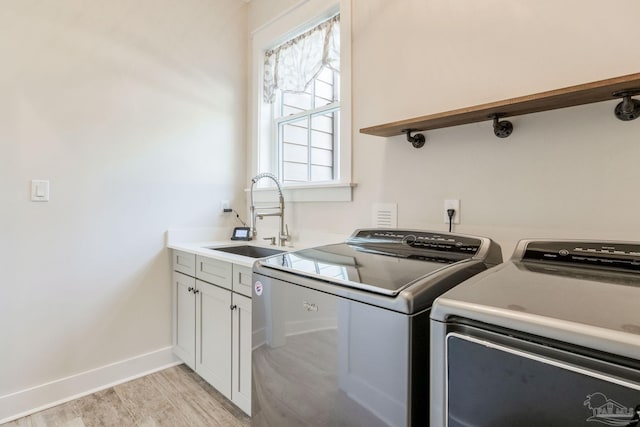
(174, 397)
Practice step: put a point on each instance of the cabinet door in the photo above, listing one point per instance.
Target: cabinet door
(241, 353)
(184, 318)
(213, 336)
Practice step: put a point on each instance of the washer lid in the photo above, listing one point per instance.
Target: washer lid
(380, 261)
(352, 266)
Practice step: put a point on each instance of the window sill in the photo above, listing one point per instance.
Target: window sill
(339, 192)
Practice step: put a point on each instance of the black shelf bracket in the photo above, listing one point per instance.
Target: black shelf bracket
(501, 129)
(629, 108)
(416, 140)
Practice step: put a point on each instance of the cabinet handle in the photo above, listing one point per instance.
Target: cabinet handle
(190, 289)
(196, 291)
(233, 306)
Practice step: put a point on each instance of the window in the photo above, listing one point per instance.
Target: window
(307, 130)
(302, 130)
(301, 77)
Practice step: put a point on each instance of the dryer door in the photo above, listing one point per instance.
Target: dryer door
(496, 380)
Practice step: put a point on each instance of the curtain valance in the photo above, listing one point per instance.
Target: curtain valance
(291, 66)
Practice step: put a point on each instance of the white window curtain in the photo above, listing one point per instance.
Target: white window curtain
(291, 66)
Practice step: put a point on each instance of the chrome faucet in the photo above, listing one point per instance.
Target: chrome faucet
(283, 232)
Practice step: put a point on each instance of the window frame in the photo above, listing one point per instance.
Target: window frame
(303, 15)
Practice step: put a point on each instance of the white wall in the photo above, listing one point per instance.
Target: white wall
(261, 12)
(565, 173)
(135, 113)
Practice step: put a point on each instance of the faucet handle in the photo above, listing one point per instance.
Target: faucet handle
(273, 239)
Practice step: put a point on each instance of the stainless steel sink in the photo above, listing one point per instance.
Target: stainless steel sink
(249, 251)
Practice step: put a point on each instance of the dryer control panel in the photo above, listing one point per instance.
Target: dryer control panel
(608, 255)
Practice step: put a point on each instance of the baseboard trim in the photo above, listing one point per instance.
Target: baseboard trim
(44, 396)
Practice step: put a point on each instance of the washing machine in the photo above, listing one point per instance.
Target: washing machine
(549, 338)
(341, 331)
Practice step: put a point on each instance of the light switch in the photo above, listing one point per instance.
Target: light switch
(39, 190)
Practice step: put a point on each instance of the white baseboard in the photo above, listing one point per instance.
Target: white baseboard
(34, 399)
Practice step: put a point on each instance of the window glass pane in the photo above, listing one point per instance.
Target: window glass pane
(323, 123)
(295, 172)
(326, 75)
(322, 140)
(295, 132)
(288, 110)
(321, 157)
(295, 102)
(295, 153)
(324, 93)
(321, 173)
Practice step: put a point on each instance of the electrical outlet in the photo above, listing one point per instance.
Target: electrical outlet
(452, 204)
(224, 204)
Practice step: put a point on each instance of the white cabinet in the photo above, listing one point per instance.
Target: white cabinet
(214, 271)
(184, 262)
(213, 336)
(184, 318)
(212, 323)
(241, 351)
(241, 282)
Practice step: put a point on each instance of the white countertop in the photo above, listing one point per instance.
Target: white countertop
(203, 248)
(199, 240)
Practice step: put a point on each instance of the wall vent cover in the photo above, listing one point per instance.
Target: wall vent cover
(385, 215)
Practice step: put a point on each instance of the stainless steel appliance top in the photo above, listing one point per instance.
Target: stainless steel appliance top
(386, 261)
(583, 292)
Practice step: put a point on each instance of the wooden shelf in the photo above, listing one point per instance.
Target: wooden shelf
(588, 93)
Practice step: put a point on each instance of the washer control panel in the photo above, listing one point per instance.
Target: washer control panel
(411, 240)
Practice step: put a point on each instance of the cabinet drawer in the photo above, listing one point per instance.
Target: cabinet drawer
(214, 271)
(184, 262)
(242, 280)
